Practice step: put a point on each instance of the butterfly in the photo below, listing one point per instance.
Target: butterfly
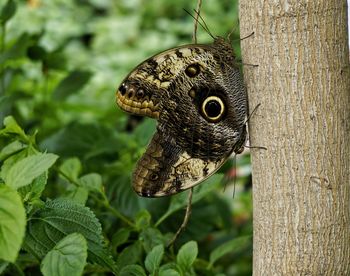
(197, 94)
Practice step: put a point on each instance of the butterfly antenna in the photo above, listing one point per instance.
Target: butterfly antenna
(245, 37)
(205, 25)
(231, 32)
(251, 114)
(197, 20)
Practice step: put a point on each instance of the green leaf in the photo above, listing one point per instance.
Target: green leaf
(144, 131)
(132, 270)
(143, 219)
(130, 255)
(24, 171)
(78, 195)
(36, 52)
(154, 258)
(71, 168)
(171, 269)
(169, 272)
(71, 84)
(8, 11)
(59, 218)
(15, 158)
(12, 127)
(34, 190)
(77, 139)
(11, 148)
(187, 255)
(92, 182)
(3, 266)
(151, 237)
(120, 237)
(232, 246)
(68, 257)
(12, 223)
(18, 49)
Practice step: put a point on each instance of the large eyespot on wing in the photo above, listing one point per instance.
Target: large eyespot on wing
(137, 100)
(166, 169)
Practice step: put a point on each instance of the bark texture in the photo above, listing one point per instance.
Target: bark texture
(301, 183)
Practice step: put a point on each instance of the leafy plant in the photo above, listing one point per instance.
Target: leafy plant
(67, 153)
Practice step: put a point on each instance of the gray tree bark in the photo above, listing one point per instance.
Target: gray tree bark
(301, 183)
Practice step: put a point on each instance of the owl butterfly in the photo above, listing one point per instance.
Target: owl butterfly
(197, 95)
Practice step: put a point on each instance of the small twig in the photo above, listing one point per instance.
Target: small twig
(186, 218)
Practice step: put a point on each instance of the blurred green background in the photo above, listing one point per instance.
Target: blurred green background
(61, 62)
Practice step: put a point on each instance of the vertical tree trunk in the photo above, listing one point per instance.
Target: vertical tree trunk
(301, 183)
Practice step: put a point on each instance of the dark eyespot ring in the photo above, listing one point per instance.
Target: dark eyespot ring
(122, 89)
(140, 93)
(213, 108)
(154, 176)
(192, 70)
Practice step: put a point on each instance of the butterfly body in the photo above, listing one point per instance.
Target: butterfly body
(197, 94)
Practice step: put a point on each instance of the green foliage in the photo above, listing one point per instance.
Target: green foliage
(12, 223)
(67, 152)
(68, 257)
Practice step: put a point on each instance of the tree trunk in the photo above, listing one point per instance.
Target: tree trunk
(301, 183)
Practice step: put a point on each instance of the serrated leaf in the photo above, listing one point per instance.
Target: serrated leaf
(71, 168)
(8, 11)
(154, 258)
(12, 223)
(71, 84)
(187, 255)
(232, 246)
(59, 218)
(68, 257)
(24, 171)
(132, 270)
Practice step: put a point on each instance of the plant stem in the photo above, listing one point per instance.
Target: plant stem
(104, 202)
(186, 218)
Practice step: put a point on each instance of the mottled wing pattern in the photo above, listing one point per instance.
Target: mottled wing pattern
(197, 95)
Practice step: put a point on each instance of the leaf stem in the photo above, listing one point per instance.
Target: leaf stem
(104, 202)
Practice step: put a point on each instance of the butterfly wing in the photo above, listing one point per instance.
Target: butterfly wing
(197, 95)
